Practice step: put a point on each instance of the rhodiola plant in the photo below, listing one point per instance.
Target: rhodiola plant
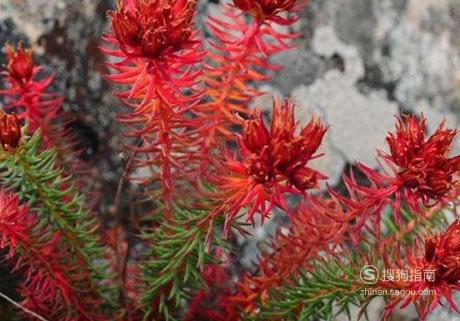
(213, 167)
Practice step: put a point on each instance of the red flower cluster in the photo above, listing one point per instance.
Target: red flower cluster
(157, 44)
(29, 97)
(20, 63)
(442, 253)
(267, 8)
(421, 172)
(272, 163)
(423, 163)
(149, 28)
(10, 131)
(281, 154)
(442, 257)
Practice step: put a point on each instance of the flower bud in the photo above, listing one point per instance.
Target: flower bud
(10, 131)
(20, 63)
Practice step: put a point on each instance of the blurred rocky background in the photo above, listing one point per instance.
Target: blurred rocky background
(359, 63)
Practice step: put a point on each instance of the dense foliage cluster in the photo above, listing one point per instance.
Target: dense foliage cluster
(211, 169)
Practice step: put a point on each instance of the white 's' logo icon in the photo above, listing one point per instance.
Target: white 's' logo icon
(369, 274)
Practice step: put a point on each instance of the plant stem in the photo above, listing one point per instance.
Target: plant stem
(19, 306)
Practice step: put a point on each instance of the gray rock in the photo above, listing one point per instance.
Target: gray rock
(355, 23)
(358, 122)
(299, 67)
(359, 63)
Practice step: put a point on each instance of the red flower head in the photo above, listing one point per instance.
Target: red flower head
(157, 47)
(438, 269)
(290, 153)
(267, 8)
(27, 94)
(442, 253)
(272, 162)
(423, 163)
(148, 28)
(20, 63)
(10, 131)
(281, 155)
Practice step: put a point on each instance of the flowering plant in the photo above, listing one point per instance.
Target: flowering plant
(211, 167)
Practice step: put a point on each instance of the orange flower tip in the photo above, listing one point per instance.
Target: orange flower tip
(151, 27)
(267, 8)
(10, 131)
(20, 64)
